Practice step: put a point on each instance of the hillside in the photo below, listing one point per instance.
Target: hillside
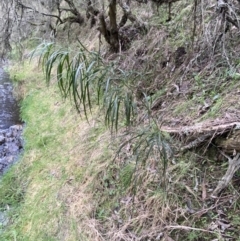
(131, 123)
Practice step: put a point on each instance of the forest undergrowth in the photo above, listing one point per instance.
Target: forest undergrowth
(103, 165)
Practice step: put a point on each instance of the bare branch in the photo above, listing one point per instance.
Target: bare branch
(44, 14)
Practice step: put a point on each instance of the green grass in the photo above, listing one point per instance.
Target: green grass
(55, 157)
(67, 185)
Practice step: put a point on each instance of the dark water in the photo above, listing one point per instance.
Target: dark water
(10, 126)
(9, 110)
(10, 133)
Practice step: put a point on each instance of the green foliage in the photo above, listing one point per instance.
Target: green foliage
(193, 235)
(126, 175)
(11, 193)
(117, 97)
(146, 143)
(86, 80)
(32, 189)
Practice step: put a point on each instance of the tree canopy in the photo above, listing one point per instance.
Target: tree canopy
(20, 18)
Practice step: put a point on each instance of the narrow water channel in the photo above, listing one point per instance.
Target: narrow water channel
(9, 114)
(10, 124)
(10, 132)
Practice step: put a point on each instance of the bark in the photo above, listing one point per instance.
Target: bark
(77, 17)
(127, 14)
(114, 38)
(203, 128)
(92, 13)
(110, 32)
(230, 144)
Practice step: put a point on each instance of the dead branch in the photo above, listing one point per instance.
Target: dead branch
(129, 15)
(202, 132)
(44, 14)
(202, 128)
(103, 28)
(77, 17)
(92, 13)
(197, 142)
(234, 164)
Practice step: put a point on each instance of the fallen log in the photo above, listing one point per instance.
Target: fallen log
(225, 136)
(230, 144)
(203, 128)
(200, 132)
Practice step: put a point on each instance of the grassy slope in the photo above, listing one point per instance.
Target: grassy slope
(67, 187)
(53, 176)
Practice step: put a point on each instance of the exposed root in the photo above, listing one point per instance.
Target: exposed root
(234, 164)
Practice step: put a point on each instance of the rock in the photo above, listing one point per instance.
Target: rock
(2, 161)
(2, 139)
(16, 127)
(19, 143)
(12, 147)
(8, 134)
(3, 132)
(11, 144)
(9, 139)
(9, 159)
(3, 219)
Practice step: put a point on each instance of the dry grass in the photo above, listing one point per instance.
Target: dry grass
(81, 186)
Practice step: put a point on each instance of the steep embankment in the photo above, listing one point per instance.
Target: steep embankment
(71, 185)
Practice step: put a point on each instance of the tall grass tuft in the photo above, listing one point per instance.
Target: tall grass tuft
(146, 143)
(86, 79)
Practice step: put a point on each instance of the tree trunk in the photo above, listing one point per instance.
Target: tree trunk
(110, 32)
(114, 40)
